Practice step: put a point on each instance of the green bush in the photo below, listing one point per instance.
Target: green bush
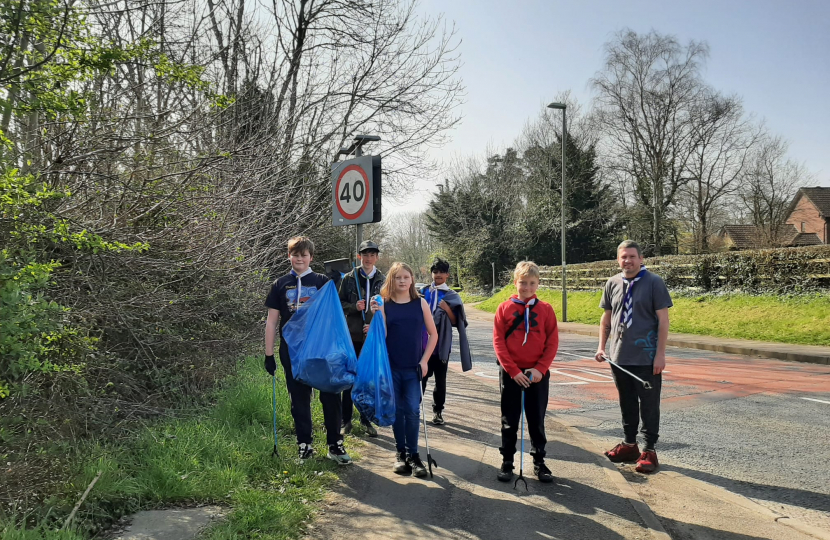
(758, 271)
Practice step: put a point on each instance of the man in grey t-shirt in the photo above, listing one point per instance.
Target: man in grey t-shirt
(635, 327)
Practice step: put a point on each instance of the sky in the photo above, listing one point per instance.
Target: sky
(517, 56)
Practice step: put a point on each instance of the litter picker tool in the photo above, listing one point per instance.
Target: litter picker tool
(522, 453)
(430, 461)
(646, 384)
(274, 400)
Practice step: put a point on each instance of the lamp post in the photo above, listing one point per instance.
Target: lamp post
(563, 107)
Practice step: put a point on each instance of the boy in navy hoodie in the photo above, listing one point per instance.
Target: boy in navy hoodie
(525, 338)
(287, 295)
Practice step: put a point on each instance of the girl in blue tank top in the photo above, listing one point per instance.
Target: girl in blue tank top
(405, 315)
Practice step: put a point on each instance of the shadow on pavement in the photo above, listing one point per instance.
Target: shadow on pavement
(796, 497)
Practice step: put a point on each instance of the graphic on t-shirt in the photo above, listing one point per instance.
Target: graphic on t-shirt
(649, 345)
(533, 315)
(305, 294)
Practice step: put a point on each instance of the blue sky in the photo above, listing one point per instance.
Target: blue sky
(518, 55)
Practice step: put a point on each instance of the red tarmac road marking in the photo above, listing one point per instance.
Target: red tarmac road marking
(691, 381)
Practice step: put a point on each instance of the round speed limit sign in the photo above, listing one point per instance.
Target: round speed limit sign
(352, 191)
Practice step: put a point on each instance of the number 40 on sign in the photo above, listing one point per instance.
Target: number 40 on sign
(356, 191)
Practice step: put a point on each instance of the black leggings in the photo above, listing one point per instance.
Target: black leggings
(536, 403)
(438, 368)
(300, 395)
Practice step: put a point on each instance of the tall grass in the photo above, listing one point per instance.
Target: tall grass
(801, 319)
(219, 455)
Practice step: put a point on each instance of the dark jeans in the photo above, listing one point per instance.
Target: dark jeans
(438, 368)
(638, 403)
(300, 395)
(347, 404)
(536, 403)
(407, 409)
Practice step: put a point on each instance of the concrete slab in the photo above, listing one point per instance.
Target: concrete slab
(172, 524)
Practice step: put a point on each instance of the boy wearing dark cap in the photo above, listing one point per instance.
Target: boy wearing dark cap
(356, 288)
(447, 312)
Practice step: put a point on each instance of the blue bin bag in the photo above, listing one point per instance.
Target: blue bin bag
(319, 344)
(373, 393)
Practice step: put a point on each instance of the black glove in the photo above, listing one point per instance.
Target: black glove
(270, 364)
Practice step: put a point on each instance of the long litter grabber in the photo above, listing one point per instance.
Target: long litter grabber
(274, 400)
(522, 453)
(430, 461)
(646, 384)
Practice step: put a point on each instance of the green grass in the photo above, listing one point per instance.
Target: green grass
(784, 319)
(10, 529)
(219, 455)
(469, 298)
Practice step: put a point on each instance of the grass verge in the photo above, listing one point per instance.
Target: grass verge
(470, 298)
(784, 319)
(221, 454)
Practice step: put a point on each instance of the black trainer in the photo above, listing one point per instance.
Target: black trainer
(402, 464)
(305, 451)
(543, 473)
(506, 472)
(438, 419)
(347, 428)
(338, 454)
(419, 470)
(370, 429)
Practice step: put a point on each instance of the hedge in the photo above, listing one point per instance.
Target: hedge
(767, 270)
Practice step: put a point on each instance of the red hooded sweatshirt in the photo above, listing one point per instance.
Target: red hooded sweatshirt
(517, 353)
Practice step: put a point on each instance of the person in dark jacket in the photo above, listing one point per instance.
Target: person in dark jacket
(447, 312)
(356, 289)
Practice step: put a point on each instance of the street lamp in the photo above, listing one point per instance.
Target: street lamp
(563, 108)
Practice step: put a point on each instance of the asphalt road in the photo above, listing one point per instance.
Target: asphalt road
(755, 427)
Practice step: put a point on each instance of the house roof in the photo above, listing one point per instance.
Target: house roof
(819, 196)
(743, 236)
(805, 239)
(749, 237)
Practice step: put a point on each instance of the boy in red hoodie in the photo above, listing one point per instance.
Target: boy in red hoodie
(525, 337)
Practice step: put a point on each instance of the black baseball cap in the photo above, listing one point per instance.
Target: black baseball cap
(368, 245)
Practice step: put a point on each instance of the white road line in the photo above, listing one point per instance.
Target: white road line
(581, 356)
(560, 371)
(570, 383)
(816, 400)
(599, 374)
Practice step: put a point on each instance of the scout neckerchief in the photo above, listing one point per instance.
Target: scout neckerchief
(433, 294)
(528, 305)
(627, 315)
(368, 287)
(299, 284)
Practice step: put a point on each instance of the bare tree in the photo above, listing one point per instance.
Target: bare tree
(645, 98)
(409, 241)
(723, 137)
(769, 184)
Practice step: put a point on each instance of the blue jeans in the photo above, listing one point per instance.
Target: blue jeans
(407, 386)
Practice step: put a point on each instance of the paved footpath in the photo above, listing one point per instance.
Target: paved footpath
(591, 498)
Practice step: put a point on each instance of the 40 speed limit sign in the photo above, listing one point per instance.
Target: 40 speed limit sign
(356, 190)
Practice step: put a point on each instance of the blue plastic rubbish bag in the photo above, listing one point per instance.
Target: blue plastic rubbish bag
(319, 344)
(373, 393)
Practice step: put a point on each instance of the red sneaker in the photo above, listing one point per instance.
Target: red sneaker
(623, 452)
(647, 462)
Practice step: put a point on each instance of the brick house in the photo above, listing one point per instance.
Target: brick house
(808, 224)
(810, 212)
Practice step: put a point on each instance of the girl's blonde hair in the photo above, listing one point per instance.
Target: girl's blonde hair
(389, 285)
(526, 269)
